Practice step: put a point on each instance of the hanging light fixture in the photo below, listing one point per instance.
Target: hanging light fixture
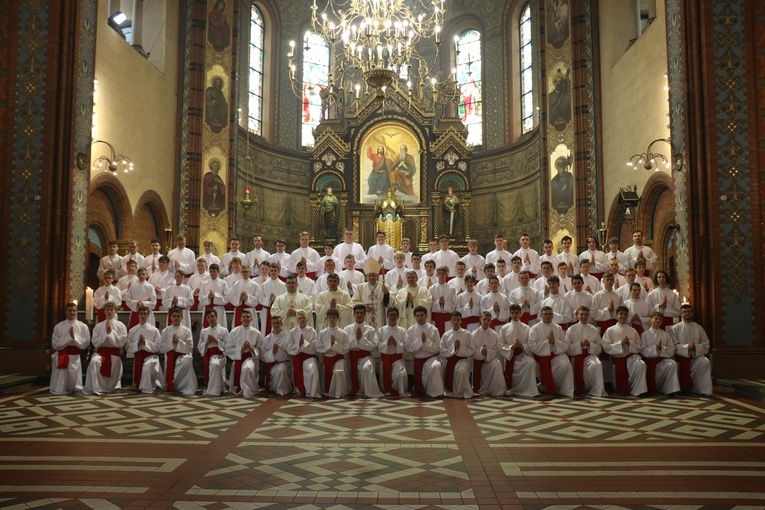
(650, 160)
(378, 43)
(109, 162)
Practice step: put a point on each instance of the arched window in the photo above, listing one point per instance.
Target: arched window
(257, 40)
(315, 79)
(469, 80)
(527, 85)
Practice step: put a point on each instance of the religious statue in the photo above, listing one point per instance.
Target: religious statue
(330, 209)
(218, 30)
(379, 180)
(216, 106)
(451, 206)
(213, 190)
(402, 173)
(563, 186)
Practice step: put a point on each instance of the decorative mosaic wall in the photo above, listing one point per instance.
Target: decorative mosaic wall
(25, 219)
(734, 167)
(506, 195)
(82, 128)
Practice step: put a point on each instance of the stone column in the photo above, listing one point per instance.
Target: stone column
(137, 25)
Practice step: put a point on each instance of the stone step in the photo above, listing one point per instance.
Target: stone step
(750, 388)
(14, 382)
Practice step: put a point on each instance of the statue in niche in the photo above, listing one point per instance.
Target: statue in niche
(218, 30)
(402, 172)
(560, 100)
(563, 186)
(213, 190)
(330, 210)
(216, 106)
(379, 180)
(557, 31)
(451, 206)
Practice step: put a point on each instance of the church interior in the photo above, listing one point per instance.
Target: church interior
(139, 121)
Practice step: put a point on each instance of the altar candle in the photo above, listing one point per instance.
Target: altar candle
(88, 304)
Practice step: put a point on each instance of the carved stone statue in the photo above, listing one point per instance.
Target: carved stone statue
(330, 210)
(451, 205)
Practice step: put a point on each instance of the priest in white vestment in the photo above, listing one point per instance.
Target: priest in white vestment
(244, 350)
(411, 297)
(457, 352)
(584, 350)
(288, 304)
(691, 347)
(69, 338)
(520, 365)
(178, 346)
(333, 298)
(488, 369)
(105, 368)
(144, 343)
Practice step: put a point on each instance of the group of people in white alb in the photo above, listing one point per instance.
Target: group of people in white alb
(459, 326)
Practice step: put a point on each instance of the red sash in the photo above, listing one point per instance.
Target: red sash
(159, 303)
(638, 328)
(106, 354)
(311, 275)
(238, 315)
(650, 372)
(496, 322)
(228, 307)
(209, 353)
(622, 377)
(419, 389)
(387, 366)
(579, 372)
(451, 364)
(238, 371)
(598, 276)
(545, 373)
(355, 356)
(297, 371)
(684, 371)
(124, 307)
(439, 320)
(564, 327)
(329, 366)
(140, 357)
(526, 317)
(667, 321)
(532, 276)
(195, 306)
(170, 358)
(63, 356)
(474, 320)
(100, 315)
(510, 366)
(133, 320)
(477, 365)
(604, 325)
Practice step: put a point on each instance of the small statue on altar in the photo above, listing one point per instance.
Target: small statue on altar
(329, 209)
(451, 207)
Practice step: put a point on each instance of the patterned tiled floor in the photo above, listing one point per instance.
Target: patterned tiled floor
(132, 451)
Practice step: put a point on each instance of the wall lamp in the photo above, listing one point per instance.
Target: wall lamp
(117, 19)
(111, 162)
(650, 160)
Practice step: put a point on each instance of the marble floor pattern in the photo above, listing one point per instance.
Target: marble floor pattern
(128, 450)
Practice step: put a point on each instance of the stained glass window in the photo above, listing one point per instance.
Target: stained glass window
(255, 104)
(315, 78)
(527, 86)
(469, 81)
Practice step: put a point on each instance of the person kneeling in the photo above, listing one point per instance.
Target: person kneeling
(244, 351)
(178, 345)
(278, 362)
(69, 337)
(212, 344)
(143, 343)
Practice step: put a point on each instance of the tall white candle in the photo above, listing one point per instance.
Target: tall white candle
(88, 304)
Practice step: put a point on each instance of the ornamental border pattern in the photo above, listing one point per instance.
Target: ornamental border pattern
(183, 172)
(733, 168)
(676, 53)
(86, 55)
(24, 221)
